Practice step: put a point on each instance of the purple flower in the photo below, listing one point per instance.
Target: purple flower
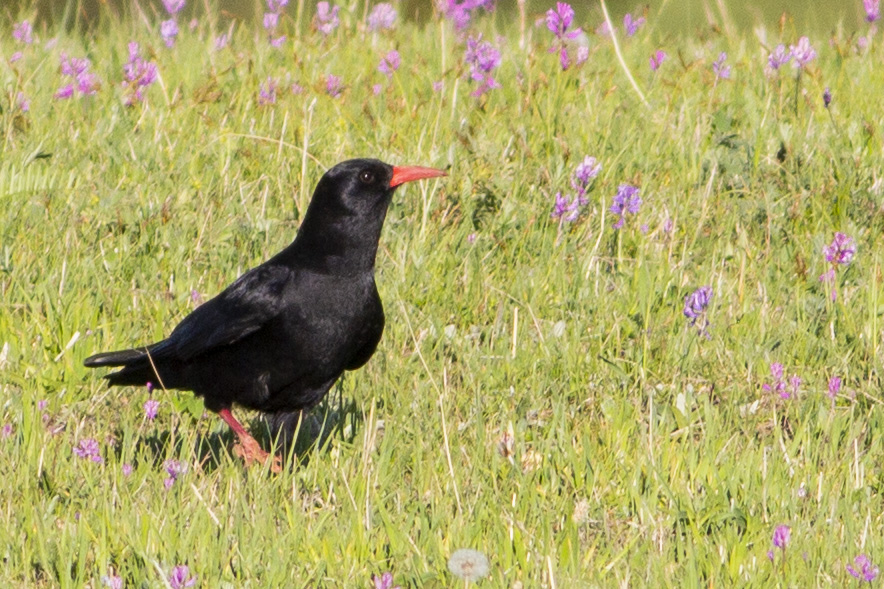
(827, 97)
(271, 21)
(389, 63)
(267, 92)
(64, 92)
(296, 88)
(582, 54)
(221, 41)
(841, 250)
(42, 404)
(803, 53)
(483, 58)
(126, 469)
(327, 17)
(174, 469)
(834, 387)
(277, 41)
(151, 406)
(112, 581)
(15, 57)
(333, 85)
(558, 21)
(173, 7)
(382, 16)
(719, 68)
(88, 448)
(277, 5)
(567, 210)
(460, 13)
(695, 304)
(781, 536)
(585, 172)
(626, 201)
(864, 570)
(603, 30)
(24, 105)
(168, 31)
(873, 13)
(6, 431)
(632, 25)
(180, 578)
(385, 581)
(438, 85)
(778, 58)
(377, 89)
(22, 32)
(779, 385)
(657, 59)
(139, 75)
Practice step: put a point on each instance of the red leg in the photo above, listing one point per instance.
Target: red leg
(248, 448)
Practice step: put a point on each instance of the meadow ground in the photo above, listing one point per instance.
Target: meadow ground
(548, 391)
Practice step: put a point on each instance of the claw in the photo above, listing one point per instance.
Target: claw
(247, 447)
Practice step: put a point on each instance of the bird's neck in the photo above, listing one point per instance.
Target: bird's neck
(346, 246)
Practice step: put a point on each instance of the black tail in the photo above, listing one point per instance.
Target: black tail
(139, 366)
(119, 358)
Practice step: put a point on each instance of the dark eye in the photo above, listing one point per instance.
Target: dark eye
(366, 176)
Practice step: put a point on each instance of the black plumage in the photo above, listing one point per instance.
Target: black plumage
(279, 337)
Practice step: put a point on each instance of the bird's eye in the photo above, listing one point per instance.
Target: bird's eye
(366, 176)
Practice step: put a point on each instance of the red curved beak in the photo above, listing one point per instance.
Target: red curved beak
(403, 174)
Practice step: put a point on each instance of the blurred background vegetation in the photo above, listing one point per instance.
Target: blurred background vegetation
(672, 16)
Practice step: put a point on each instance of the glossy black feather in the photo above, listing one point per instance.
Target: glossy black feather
(280, 336)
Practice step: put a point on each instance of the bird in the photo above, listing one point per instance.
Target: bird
(279, 337)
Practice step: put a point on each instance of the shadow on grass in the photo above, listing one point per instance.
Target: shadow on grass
(296, 436)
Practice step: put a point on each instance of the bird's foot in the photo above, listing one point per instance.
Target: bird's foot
(250, 451)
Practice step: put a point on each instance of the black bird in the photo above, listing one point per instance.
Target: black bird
(279, 337)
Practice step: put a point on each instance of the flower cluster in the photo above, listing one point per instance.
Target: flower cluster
(695, 305)
(180, 577)
(626, 201)
(558, 21)
(873, 10)
(23, 32)
(483, 58)
(721, 70)
(169, 27)
(389, 63)
(174, 469)
(89, 449)
(631, 24)
(567, 207)
(83, 80)
(799, 55)
(139, 74)
(333, 85)
(267, 91)
(780, 539)
(385, 581)
(271, 21)
(864, 569)
(460, 13)
(838, 253)
(779, 385)
(327, 18)
(382, 16)
(657, 59)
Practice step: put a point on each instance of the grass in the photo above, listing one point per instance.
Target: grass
(538, 394)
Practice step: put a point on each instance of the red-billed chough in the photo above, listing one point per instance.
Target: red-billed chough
(279, 337)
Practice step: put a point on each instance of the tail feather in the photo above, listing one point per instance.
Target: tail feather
(118, 358)
(139, 366)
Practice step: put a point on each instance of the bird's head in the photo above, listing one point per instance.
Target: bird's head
(343, 222)
(361, 186)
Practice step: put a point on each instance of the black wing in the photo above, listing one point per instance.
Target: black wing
(242, 308)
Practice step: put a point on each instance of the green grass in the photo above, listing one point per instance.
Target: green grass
(641, 454)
